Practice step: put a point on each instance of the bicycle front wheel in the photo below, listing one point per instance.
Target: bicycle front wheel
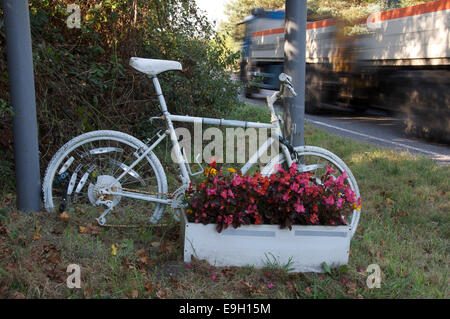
(86, 163)
(315, 160)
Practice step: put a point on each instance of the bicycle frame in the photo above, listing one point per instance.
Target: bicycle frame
(169, 118)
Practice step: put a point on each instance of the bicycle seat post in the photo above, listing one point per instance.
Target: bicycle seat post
(162, 100)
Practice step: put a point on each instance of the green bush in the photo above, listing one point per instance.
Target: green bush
(83, 81)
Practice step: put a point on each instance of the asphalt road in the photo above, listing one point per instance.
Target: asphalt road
(373, 126)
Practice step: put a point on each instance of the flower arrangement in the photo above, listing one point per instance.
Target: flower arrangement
(285, 198)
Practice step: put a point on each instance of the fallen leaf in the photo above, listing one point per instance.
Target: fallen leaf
(389, 201)
(3, 289)
(82, 229)
(402, 213)
(308, 291)
(88, 292)
(18, 295)
(141, 252)
(11, 266)
(351, 288)
(251, 290)
(149, 287)
(113, 250)
(155, 244)
(93, 229)
(134, 293)
(64, 217)
(57, 231)
(36, 235)
(161, 294)
(145, 260)
(166, 247)
(294, 288)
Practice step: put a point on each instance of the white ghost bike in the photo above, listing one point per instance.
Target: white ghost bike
(115, 172)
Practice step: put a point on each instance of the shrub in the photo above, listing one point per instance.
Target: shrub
(82, 78)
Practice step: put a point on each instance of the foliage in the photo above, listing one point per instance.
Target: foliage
(83, 81)
(348, 10)
(285, 198)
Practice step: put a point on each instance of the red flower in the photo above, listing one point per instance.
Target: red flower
(314, 219)
(212, 162)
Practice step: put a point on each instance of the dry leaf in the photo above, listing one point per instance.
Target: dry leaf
(88, 292)
(294, 289)
(93, 229)
(113, 250)
(155, 244)
(141, 252)
(82, 230)
(64, 217)
(165, 247)
(389, 201)
(36, 235)
(401, 213)
(308, 291)
(149, 287)
(351, 288)
(134, 293)
(18, 295)
(161, 294)
(145, 260)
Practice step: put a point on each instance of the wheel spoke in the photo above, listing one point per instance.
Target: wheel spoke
(91, 164)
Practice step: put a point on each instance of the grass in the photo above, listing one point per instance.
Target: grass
(404, 228)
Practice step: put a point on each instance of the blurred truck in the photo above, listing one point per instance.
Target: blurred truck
(400, 62)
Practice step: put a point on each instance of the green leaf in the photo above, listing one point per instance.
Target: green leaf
(326, 268)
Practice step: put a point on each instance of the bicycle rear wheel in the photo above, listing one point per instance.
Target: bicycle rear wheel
(80, 168)
(316, 159)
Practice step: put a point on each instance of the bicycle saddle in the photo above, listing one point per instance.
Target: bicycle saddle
(153, 67)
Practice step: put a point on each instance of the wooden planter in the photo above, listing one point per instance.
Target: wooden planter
(304, 248)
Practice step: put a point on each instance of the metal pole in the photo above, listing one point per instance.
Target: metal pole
(294, 65)
(21, 79)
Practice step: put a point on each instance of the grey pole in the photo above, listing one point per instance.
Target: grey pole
(294, 65)
(21, 79)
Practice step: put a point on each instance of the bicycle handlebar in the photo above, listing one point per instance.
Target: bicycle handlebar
(286, 81)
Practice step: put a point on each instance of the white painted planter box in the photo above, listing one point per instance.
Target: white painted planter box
(305, 247)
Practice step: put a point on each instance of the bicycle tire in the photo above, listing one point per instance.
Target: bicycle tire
(77, 147)
(304, 152)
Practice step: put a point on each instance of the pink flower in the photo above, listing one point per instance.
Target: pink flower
(237, 180)
(299, 208)
(340, 202)
(211, 191)
(270, 285)
(293, 169)
(213, 276)
(279, 168)
(330, 170)
(349, 195)
(224, 194)
(230, 193)
(329, 200)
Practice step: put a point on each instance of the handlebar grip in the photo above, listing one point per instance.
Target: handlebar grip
(291, 89)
